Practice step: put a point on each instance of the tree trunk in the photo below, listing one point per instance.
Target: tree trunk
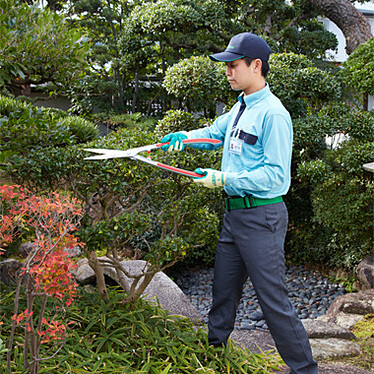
(100, 279)
(354, 25)
(134, 107)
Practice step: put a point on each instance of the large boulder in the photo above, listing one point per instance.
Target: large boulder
(161, 288)
(365, 272)
(347, 310)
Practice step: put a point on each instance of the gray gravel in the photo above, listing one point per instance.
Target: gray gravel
(309, 291)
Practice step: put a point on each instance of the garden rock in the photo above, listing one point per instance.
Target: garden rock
(346, 310)
(161, 288)
(365, 272)
(9, 271)
(323, 330)
(327, 349)
(328, 341)
(25, 249)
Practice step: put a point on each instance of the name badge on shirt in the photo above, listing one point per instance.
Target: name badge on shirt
(236, 146)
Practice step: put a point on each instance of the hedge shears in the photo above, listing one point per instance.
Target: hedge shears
(133, 154)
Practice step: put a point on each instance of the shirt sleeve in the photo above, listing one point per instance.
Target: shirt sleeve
(216, 131)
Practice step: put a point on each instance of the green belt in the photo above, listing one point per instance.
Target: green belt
(248, 202)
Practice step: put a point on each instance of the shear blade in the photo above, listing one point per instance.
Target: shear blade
(103, 154)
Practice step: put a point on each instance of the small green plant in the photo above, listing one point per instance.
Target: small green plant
(3, 350)
(82, 129)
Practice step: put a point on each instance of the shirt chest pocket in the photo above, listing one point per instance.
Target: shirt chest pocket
(247, 138)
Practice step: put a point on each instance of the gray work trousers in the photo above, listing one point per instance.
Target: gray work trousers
(251, 244)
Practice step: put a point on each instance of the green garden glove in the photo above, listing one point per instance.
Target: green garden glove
(210, 178)
(175, 140)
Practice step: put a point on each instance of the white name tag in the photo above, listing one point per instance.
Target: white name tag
(236, 146)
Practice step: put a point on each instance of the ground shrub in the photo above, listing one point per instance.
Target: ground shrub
(138, 338)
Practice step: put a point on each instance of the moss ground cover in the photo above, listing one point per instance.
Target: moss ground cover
(364, 331)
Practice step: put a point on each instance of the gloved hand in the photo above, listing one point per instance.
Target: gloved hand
(175, 140)
(211, 178)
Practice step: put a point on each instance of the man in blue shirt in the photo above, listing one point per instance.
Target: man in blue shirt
(255, 174)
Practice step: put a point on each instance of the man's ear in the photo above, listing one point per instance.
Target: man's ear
(257, 65)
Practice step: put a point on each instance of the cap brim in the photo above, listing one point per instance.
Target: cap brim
(225, 56)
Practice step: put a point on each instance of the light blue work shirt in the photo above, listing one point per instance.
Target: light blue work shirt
(257, 155)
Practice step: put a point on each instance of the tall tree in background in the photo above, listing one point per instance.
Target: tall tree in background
(37, 46)
(103, 22)
(134, 42)
(353, 23)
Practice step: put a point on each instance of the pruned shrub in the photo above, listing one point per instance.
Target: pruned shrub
(24, 127)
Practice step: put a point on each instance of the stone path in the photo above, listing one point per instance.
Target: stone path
(253, 340)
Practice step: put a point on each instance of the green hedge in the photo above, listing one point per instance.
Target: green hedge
(24, 127)
(331, 197)
(172, 205)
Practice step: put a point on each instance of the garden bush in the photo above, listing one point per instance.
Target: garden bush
(24, 127)
(333, 228)
(197, 83)
(359, 67)
(300, 84)
(174, 121)
(167, 213)
(81, 129)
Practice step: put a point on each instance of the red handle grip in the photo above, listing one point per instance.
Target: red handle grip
(184, 172)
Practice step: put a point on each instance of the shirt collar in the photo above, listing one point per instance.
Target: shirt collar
(254, 97)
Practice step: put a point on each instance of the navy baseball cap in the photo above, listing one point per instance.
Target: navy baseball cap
(242, 45)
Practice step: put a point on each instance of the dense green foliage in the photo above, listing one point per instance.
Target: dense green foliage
(37, 46)
(198, 84)
(134, 43)
(358, 69)
(332, 190)
(172, 206)
(142, 338)
(301, 84)
(24, 127)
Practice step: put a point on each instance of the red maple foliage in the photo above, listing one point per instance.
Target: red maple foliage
(52, 220)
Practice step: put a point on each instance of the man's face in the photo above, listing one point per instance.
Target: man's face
(241, 76)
